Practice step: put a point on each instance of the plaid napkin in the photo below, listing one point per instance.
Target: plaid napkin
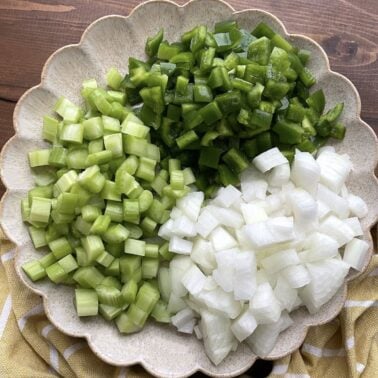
(31, 347)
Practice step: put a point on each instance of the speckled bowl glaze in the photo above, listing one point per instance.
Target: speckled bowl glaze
(160, 349)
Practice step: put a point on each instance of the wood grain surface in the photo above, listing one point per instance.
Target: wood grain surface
(30, 31)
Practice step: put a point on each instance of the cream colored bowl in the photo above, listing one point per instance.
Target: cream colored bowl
(109, 42)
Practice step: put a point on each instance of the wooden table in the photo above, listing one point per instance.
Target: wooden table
(31, 30)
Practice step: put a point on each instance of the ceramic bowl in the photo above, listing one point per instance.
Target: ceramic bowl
(109, 42)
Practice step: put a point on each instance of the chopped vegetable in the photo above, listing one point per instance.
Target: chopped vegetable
(254, 255)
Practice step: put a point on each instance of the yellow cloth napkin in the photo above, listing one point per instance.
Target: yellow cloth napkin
(31, 347)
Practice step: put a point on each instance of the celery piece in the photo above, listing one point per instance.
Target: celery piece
(116, 249)
(148, 226)
(147, 297)
(150, 267)
(131, 211)
(116, 233)
(129, 264)
(68, 111)
(38, 236)
(72, 133)
(152, 250)
(81, 226)
(189, 177)
(113, 269)
(91, 179)
(56, 273)
(125, 324)
(25, 209)
(57, 157)
(86, 302)
(47, 260)
(83, 194)
(114, 210)
(88, 277)
(135, 247)
(67, 203)
(160, 313)
(60, 247)
(164, 252)
(82, 257)
(155, 211)
(65, 182)
(100, 225)
(109, 295)
(105, 259)
(50, 128)
(68, 263)
(40, 210)
(146, 169)
(145, 200)
(112, 282)
(116, 97)
(114, 78)
(133, 128)
(77, 157)
(96, 145)
(99, 158)
(93, 128)
(135, 231)
(158, 184)
(137, 315)
(177, 179)
(110, 192)
(34, 270)
(93, 246)
(130, 165)
(109, 312)
(90, 213)
(39, 158)
(114, 144)
(129, 291)
(110, 125)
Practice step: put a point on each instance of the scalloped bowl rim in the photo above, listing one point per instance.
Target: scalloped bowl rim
(87, 336)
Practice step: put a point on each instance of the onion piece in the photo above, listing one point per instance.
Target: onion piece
(357, 206)
(264, 305)
(305, 171)
(244, 325)
(355, 253)
(269, 159)
(227, 196)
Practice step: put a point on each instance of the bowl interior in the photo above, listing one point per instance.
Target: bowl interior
(160, 349)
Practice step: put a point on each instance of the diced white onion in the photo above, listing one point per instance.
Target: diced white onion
(305, 171)
(193, 280)
(222, 239)
(227, 196)
(191, 204)
(253, 213)
(184, 320)
(264, 305)
(179, 245)
(244, 325)
(279, 175)
(355, 225)
(355, 253)
(269, 159)
(326, 278)
(248, 257)
(280, 260)
(357, 206)
(203, 255)
(206, 223)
